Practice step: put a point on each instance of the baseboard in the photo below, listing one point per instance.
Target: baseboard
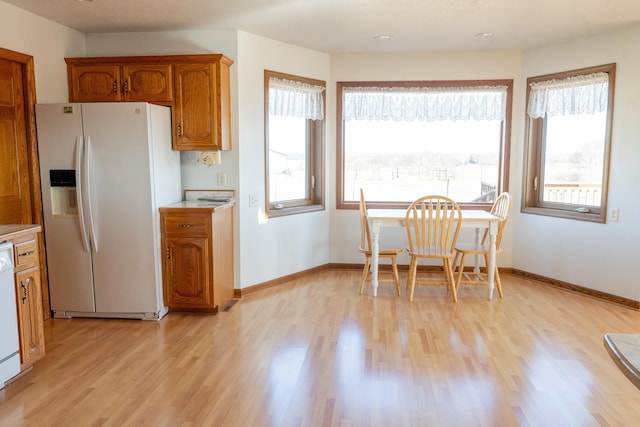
(238, 293)
(426, 268)
(573, 288)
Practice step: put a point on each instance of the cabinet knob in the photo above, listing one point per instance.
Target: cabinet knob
(185, 225)
(115, 86)
(126, 86)
(179, 130)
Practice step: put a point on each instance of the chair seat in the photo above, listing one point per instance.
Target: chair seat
(432, 252)
(471, 248)
(385, 249)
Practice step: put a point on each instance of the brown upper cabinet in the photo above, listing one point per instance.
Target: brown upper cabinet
(196, 87)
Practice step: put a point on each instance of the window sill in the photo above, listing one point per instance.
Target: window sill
(597, 217)
(294, 210)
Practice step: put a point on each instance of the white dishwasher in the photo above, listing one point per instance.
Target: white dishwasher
(9, 344)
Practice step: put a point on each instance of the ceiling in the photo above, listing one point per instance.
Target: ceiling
(349, 26)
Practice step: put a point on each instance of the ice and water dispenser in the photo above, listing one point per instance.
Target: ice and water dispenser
(63, 192)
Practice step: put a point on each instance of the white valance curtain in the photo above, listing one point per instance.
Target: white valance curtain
(586, 94)
(295, 99)
(424, 103)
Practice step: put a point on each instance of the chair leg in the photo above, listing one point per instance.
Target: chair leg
(498, 283)
(456, 260)
(411, 283)
(452, 285)
(394, 265)
(365, 274)
(460, 267)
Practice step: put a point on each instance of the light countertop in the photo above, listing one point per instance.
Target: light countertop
(8, 231)
(199, 204)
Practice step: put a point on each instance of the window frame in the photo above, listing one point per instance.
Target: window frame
(505, 143)
(532, 202)
(315, 154)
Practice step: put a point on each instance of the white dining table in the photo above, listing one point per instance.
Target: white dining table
(471, 218)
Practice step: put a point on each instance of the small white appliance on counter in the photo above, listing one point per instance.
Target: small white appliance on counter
(106, 168)
(9, 344)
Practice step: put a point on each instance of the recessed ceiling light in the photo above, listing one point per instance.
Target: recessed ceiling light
(485, 35)
(383, 37)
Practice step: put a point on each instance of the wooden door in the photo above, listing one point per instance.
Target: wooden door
(15, 195)
(195, 113)
(148, 83)
(29, 302)
(95, 83)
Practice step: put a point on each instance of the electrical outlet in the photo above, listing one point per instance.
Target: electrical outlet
(222, 179)
(253, 200)
(614, 214)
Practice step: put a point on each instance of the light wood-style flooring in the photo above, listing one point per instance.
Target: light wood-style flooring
(312, 352)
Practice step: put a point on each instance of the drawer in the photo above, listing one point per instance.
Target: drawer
(26, 254)
(186, 225)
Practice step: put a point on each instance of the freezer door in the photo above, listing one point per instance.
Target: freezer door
(59, 129)
(125, 262)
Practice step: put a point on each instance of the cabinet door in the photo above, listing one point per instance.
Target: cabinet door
(149, 83)
(188, 274)
(92, 83)
(195, 116)
(30, 324)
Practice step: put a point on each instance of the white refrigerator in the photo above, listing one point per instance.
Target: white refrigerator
(105, 169)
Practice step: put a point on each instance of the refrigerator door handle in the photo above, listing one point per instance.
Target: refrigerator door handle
(87, 173)
(79, 193)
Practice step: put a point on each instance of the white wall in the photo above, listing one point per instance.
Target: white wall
(49, 43)
(275, 247)
(596, 256)
(345, 226)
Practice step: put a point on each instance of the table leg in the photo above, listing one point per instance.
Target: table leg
(491, 268)
(375, 252)
(476, 264)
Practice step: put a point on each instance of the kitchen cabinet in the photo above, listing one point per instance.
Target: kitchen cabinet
(196, 87)
(134, 82)
(28, 291)
(197, 247)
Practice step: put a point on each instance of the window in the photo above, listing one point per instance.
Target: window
(402, 140)
(294, 148)
(568, 139)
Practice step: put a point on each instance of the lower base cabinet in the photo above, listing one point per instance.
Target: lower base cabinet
(28, 290)
(31, 325)
(197, 258)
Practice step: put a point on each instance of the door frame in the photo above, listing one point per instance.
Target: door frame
(29, 90)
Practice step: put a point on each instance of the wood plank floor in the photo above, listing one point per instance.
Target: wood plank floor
(312, 352)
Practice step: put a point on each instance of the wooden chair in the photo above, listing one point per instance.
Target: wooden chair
(501, 208)
(388, 250)
(432, 230)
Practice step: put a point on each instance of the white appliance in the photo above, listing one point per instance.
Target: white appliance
(9, 344)
(105, 170)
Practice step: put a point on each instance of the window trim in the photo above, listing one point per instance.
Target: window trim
(315, 156)
(532, 202)
(505, 143)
